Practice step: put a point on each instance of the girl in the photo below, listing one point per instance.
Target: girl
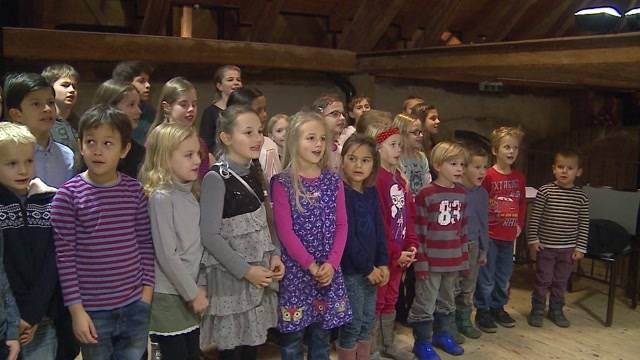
(277, 131)
(365, 257)
(398, 214)
(253, 98)
(179, 104)
(227, 79)
(242, 260)
(169, 171)
(428, 116)
(311, 222)
(332, 108)
(357, 106)
(125, 97)
(414, 162)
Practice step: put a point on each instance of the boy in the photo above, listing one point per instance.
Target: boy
(443, 254)
(103, 243)
(64, 80)
(410, 102)
(507, 206)
(29, 258)
(477, 233)
(138, 73)
(557, 233)
(31, 102)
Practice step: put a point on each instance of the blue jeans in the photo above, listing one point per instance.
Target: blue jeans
(492, 290)
(319, 344)
(122, 333)
(44, 344)
(362, 296)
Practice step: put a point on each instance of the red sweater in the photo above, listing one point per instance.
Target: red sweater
(398, 213)
(507, 203)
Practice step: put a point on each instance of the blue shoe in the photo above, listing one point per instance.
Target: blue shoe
(424, 351)
(445, 342)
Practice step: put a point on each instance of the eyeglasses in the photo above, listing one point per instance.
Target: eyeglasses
(416, 132)
(336, 114)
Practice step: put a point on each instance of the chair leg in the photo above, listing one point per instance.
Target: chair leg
(612, 292)
(634, 278)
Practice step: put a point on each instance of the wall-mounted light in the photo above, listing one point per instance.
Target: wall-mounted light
(598, 20)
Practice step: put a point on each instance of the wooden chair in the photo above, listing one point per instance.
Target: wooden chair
(623, 208)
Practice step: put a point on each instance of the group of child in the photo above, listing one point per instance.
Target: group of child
(129, 223)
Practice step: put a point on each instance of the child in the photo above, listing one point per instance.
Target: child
(31, 102)
(477, 234)
(277, 131)
(178, 103)
(253, 98)
(138, 73)
(168, 174)
(377, 118)
(126, 98)
(365, 259)
(428, 116)
(227, 79)
(103, 243)
(29, 258)
(9, 316)
(505, 187)
(64, 80)
(357, 106)
(414, 162)
(311, 221)
(398, 215)
(332, 108)
(557, 235)
(242, 258)
(410, 102)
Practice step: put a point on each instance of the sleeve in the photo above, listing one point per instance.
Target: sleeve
(163, 232)
(536, 216)
(411, 239)
(392, 248)
(63, 215)
(211, 207)
(11, 309)
(342, 225)
(583, 226)
(284, 226)
(382, 256)
(208, 126)
(36, 303)
(522, 209)
(421, 266)
(483, 217)
(145, 244)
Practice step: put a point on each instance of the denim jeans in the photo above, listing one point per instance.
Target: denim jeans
(319, 344)
(362, 296)
(492, 290)
(122, 333)
(44, 344)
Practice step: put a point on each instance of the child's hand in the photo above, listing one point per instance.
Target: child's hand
(384, 270)
(23, 326)
(83, 327)
(200, 304)
(147, 294)
(28, 334)
(534, 249)
(14, 349)
(407, 257)
(313, 269)
(577, 255)
(325, 274)
(518, 231)
(259, 276)
(277, 267)
(375, 276)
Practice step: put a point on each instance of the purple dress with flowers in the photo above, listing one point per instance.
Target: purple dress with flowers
(302, 301)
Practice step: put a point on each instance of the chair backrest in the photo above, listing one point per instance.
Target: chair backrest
(619, 206)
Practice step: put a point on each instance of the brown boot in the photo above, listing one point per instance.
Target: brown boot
(362, 350)
(346, 354)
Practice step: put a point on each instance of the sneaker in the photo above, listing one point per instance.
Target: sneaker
(536, 317)
(557, 317)
(425, 351)
(503, 318)
(485, 321)
(444, 341)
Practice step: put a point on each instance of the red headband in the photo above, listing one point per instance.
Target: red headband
(387, 134)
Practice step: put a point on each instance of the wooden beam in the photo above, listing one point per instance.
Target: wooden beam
(264, 24)
(97, 11)
(544, 60)
(369, 24)
(547, 24)
(564, 24)
(28, 44)
(443, 14)
(155, 17)
(511, 17)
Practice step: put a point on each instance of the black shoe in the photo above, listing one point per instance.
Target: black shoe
(536, 318)
(557, 317)
(485, 321)
(503, 318)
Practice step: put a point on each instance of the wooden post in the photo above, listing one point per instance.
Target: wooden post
(186, 22)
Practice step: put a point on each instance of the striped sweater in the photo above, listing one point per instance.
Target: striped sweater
(560, 218)
(103, 243)
(441, 227)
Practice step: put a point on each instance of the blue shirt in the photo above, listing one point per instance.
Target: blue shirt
(54, 164)
(477, 213)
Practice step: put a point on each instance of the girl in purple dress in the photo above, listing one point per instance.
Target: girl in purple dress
(311, 222)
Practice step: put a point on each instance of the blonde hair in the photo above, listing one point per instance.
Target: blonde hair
(15, 134)
(290, 161)
(497, 135)
(374, 118)
(273, 121)
(447, 150)
(155, 173)
(403, 122)
(171, 91)
(111, 92)
(220, 75)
